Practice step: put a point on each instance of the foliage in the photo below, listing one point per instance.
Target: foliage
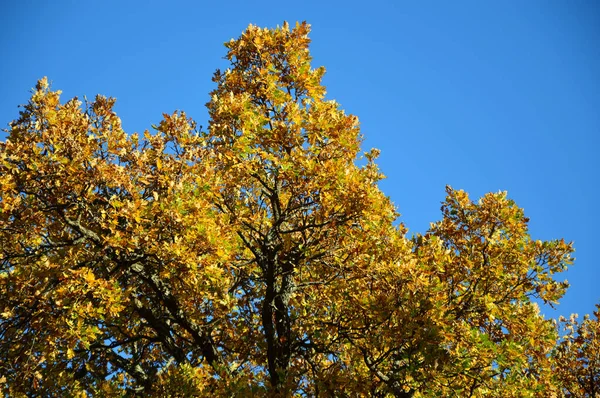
(256, 258)
(459, 320)
(577, 357)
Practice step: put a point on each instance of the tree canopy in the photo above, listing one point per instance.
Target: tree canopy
(260, 258)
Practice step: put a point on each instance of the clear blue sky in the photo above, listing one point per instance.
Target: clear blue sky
(481, 95)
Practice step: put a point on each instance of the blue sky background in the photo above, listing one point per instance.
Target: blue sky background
(481, 95)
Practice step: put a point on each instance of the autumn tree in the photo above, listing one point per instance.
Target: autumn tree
(458, 318)
(257, 258)
(306, 215)
(111, 251)
(577, 357)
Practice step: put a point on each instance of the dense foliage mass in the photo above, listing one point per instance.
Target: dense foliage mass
(259, 258)
(577, 357)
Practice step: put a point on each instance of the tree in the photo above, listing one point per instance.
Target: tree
(458, 318)
(256, 258)
(577, 356)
